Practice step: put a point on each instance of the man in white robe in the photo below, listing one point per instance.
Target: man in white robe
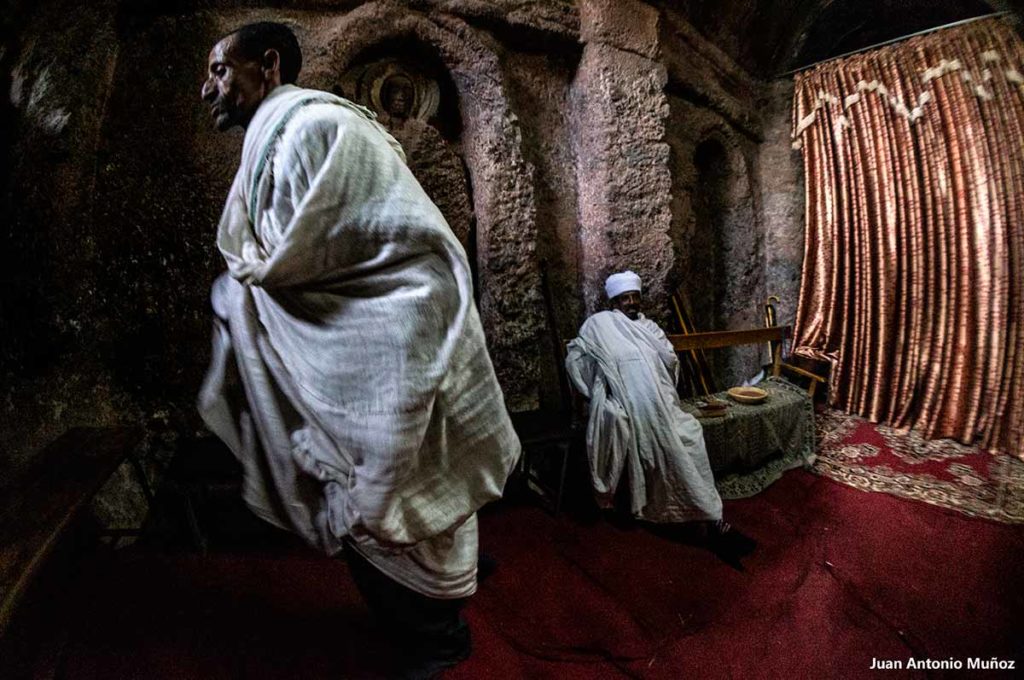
(350, 374)
(627, 369)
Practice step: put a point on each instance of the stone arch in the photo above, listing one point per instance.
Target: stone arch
(503, 201)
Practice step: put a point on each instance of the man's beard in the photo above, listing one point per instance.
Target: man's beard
(222, 118)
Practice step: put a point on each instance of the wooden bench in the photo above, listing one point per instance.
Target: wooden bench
(730, 442)
(775, 335)
(48, 501)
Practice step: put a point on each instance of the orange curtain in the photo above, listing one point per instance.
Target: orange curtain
(914, 256)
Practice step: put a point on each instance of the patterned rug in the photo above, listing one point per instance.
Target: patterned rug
(874, 457)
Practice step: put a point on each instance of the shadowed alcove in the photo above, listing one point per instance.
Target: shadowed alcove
(722, 279)
(711, 208)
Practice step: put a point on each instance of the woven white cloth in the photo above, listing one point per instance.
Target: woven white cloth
(628, 370)
(349, 373)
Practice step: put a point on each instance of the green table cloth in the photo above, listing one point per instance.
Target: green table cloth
(752, 445)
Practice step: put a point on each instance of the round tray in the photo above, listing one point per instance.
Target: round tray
(747, 395)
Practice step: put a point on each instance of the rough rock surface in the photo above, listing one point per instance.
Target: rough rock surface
(701, 72)
(717, 231)
(623, 177)
(628, 25)
(59, 82)
(594, 135)
(539, 85)
(781, 173)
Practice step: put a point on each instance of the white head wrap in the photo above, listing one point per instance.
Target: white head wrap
(620, 283)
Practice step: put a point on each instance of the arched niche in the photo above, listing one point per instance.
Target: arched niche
(710, 203)
(502, 193)
(725, 281)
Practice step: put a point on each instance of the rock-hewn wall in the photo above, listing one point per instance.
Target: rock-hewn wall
(59, 67)
(539, 85)
(623, 176)
(578, 126)
(715, 131)
(717, 231)
(780, 171)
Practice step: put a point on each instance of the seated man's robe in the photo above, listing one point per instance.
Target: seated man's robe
(349, 373)
(628, 370)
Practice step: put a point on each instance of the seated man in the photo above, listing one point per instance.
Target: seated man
(623, 363)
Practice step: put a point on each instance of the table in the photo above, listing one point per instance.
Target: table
(753, 444)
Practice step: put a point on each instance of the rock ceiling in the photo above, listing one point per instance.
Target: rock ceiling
(767, 37)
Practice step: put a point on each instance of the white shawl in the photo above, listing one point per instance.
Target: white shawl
(628, 370)
(350, 373)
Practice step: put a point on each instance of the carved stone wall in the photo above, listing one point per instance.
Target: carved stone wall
(58, 66)
(781, 174)
(623, 177)
(559, 138)
(539, 84)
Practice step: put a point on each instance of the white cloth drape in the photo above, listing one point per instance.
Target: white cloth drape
(350, 374)
(628, 369)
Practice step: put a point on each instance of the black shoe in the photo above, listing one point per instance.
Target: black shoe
(731, 546)
(426, 659)
(485, 566)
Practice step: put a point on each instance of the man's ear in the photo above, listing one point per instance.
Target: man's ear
(271, 66)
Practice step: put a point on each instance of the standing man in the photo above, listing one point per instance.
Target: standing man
(627, 369)
(350, 374)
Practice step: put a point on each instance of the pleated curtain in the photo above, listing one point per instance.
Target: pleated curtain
(914, 258)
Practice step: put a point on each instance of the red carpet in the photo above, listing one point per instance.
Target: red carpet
(840, 576)
(874, 457)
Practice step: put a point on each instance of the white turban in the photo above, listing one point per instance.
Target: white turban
(620, 283)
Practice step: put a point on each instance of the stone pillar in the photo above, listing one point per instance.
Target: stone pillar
(623, 175)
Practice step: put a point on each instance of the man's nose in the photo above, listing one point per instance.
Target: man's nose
(207, 91)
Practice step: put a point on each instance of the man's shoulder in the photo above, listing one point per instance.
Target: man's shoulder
(314, 111)
(597, 319)
(611, 320)
(323, 112)
(321, 119)
(649, 325)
